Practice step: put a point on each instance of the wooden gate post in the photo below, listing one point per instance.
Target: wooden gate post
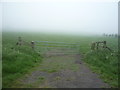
(104, 44)
(97, 45)
(19, 41)
(93, 46)
(33, 44)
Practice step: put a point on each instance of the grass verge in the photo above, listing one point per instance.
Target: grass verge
(16, 62)
(105, 64)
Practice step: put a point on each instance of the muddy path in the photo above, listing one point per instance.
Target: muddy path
(61, 68)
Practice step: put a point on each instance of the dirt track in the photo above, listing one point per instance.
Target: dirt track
(62, 70)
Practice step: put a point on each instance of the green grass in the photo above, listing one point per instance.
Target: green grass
(16, 61)
(103, 61)
(104, 64)
(21, 59)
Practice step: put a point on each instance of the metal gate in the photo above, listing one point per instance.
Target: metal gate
(45, 46)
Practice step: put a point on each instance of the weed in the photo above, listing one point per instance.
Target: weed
(41, 78)
(57, 78)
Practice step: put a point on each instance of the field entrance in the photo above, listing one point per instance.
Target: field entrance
(61, 67)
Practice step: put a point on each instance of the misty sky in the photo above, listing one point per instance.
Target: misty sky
(61, 17)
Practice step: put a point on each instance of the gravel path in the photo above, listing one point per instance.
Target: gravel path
(61, 70)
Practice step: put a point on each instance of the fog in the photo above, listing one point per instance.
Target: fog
(61, 17)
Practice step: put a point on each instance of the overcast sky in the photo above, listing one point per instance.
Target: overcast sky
(61, 17)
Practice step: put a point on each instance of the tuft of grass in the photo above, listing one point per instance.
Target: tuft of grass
(58, 78)
(52, 70)
(74, 67)
(41, 78)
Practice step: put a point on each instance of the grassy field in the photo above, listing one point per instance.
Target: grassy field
(19, 60)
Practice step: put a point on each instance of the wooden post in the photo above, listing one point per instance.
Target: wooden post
(100, 44)
(104, 44)
(97, 45)
(19, 41)
(93, 46)
(33, 44)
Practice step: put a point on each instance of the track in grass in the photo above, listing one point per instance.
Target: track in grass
(61, 70)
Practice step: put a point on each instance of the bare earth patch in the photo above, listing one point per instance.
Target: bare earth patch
(61, 69)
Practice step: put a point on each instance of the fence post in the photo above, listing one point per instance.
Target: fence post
(33, 44)
(104, 44)
(93, 46)
(97, 45)
(19, 41)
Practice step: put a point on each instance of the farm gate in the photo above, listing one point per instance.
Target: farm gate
(58, 47)
(45, 46)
